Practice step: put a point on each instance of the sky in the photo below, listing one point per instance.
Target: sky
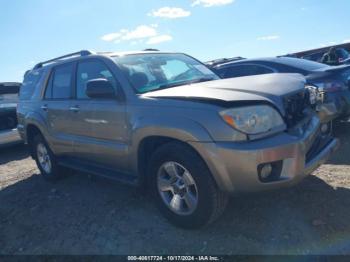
(37, 30)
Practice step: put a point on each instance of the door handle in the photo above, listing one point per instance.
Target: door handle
(74, 109)
(44, 107)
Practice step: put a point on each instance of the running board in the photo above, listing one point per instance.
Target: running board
(99, 170)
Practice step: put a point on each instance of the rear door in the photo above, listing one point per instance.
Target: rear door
(99, 125)
(56, 108)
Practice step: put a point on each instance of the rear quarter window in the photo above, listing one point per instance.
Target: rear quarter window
(29, 84)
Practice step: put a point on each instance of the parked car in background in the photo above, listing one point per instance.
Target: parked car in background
(328, 85)
(341, 56)
(223, 60)
(8, 118)
(167, 122)
(316, 57)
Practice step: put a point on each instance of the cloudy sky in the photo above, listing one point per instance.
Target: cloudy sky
(36, 30)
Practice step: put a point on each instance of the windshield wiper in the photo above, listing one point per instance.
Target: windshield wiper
(199, 80)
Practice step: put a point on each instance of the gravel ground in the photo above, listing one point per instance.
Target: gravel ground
(88, 215)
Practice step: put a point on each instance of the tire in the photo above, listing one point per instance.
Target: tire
(51, 171)
(200, 202)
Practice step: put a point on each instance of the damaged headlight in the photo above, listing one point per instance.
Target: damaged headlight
(253, 120)
(316, 95)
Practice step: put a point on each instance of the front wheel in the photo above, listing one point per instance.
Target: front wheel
(183, 187)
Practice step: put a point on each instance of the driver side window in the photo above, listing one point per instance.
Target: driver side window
(88, 70)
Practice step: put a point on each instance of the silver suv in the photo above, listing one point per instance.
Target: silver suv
(167, 122)
(8, 120)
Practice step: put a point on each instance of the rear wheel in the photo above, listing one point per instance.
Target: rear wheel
(45, 159)
(183, 187)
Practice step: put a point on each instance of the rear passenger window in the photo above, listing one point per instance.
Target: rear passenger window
(61, 82)
(30, 81)
(89, 70)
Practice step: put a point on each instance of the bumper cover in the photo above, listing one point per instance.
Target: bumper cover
(8, 137)
(235, 165)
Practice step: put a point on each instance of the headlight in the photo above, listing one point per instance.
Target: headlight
(312, 94)
(253, 120)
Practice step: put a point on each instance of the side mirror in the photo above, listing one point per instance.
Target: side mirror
(99, 88)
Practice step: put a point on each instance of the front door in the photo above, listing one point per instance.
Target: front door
(98, 125)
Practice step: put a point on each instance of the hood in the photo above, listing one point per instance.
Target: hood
(271, 88)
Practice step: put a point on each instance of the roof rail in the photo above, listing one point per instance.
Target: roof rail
(223, 60)
(80, 53)
(151, 49)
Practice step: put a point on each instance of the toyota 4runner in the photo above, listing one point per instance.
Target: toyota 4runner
(167, 122)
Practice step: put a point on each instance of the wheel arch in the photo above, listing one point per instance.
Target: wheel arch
(34, 124)
(31, 131)
(148, 135)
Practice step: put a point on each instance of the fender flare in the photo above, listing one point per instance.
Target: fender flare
(178, 128)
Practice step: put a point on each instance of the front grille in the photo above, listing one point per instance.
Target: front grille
(295, 106)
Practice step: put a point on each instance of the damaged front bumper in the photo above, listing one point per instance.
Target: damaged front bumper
(236, 167)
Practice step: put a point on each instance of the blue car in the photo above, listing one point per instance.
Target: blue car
(328, 85)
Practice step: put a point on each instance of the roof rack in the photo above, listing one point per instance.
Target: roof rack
(80, 53)
(288, 55)
(151, 49)
(224, 60)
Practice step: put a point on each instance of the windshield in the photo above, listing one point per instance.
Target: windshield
(149, 72)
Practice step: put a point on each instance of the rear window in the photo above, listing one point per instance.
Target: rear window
(314, 57)
(30, 81)
(302, 64)
(243, 70)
